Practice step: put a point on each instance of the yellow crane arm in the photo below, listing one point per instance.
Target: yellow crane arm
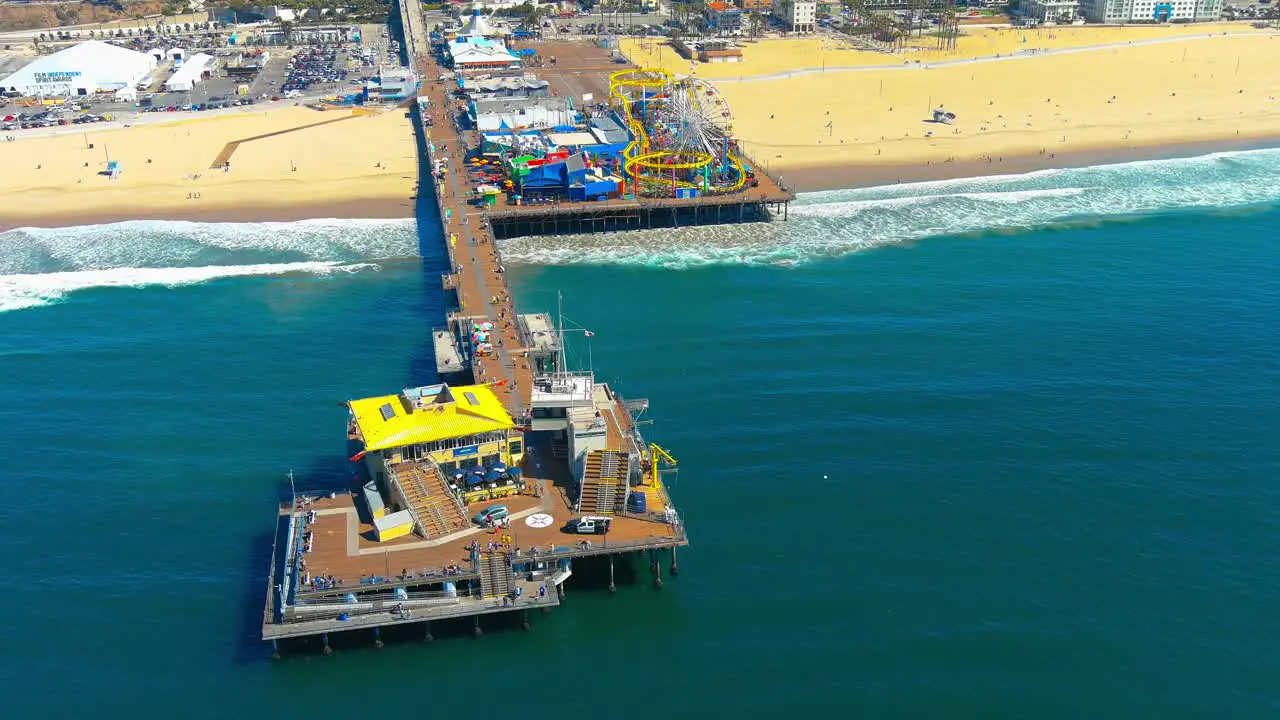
(657, 453)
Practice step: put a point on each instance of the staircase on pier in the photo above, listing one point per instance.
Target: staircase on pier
(604, 482)
(495, 575)
(427, 493)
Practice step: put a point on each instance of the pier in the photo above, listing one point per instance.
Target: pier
(477, 495)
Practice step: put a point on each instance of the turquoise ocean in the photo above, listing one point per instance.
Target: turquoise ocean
(989, 448)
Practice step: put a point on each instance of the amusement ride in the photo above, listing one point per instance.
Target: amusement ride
(682, 134)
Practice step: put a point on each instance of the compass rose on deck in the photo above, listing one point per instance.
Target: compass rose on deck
(539, 520)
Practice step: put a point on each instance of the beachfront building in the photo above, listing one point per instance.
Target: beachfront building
(724, 18)
(415, 444)
(799, 16)
(84, 69)
(1151, 11)
(521, 113)
(1051, 11)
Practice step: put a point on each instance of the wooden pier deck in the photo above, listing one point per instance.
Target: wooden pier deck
(440, 578)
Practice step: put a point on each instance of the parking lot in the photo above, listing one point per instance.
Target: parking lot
(303, 72)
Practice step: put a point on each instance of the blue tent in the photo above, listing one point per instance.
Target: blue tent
(545, 177)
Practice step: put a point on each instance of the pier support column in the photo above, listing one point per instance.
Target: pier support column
(560, 589)
(524, 622)
(475, 629)
(612, 586)
(426, 635)
(657, 572)
(675, 566)
(324, 638)
(653, 561)
(377, 638)
(275, 649)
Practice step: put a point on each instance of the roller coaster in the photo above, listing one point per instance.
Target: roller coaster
(681, 134)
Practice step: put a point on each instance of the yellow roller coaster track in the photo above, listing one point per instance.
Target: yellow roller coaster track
(638, 154)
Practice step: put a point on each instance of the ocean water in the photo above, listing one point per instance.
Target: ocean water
(1003, 447)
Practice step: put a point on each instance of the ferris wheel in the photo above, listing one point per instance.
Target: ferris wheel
(696, 117)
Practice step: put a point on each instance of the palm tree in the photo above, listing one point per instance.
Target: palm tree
(784, 8)
(286, 27)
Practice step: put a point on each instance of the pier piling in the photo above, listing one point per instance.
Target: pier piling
(426, 635)
(657, 572)
(324, 638)
(612, 586)
(524, 623)
(675, 567)
(275, 650)
(377, 638)
(475, 630)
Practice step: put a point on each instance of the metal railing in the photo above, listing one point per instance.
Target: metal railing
(593, 547)
(399, 491)
(392, 581)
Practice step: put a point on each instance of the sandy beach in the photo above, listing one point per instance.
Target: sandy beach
(290, 163)
(844, 128)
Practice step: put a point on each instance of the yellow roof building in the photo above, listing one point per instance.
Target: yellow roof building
(428, 414)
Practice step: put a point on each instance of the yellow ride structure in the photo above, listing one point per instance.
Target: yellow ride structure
(653, 163)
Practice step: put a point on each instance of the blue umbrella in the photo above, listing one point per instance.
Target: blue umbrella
(476, 470)
(492, 476)
(474, 480)
(498, 467)
(514, 472)
(459, 474)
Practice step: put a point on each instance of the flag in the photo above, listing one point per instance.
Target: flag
(588, 333)
(358, 456)
(500, 383)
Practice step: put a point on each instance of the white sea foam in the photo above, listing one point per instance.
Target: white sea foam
(145, 244)
(837, 222)
(33, 290)
(43, 265)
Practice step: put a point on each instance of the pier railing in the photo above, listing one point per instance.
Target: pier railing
(393, 581)
(586, 548)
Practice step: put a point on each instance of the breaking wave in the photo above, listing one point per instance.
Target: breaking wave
(39, 266)
(24, 291)
(838, 222)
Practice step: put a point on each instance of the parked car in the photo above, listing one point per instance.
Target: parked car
(589, 525)
(493, 513)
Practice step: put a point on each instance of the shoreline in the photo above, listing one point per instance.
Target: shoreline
(803, 180)
(358, 209)
(826, 178)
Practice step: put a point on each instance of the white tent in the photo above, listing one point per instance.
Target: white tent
(477, 51)
(191, 72)
(478, 26)
(81, 70)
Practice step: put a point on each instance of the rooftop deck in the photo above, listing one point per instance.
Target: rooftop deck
(343, 544)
